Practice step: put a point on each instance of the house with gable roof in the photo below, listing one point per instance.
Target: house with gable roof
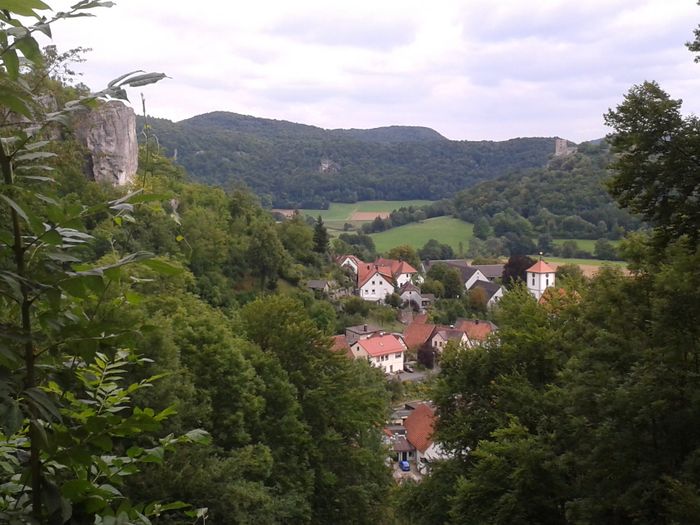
(374, 282)
(380, 278)
(443, 335)
(420, 426)
(493, 292)
(477, 330)
(385, 351)
(349, 261)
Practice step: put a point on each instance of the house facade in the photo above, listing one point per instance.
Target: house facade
(385, 351)
(442, 336)
(375, 285)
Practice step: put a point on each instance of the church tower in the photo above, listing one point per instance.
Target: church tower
(540, 276)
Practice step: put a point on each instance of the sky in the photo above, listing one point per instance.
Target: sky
(470, 69)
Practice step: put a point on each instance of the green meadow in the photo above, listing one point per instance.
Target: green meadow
(583, 244)
(446, 230)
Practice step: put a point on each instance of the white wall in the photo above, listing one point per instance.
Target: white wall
(390, 363)
(376, 288)
(537, 283)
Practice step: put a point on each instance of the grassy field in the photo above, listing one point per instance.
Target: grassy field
(446, 230)
(339, 213)
(589, 262)
(583, 244)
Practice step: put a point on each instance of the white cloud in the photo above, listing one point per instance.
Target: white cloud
(471, 69)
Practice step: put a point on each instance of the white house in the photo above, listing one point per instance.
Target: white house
(471, 275)
(442, 336)
(492, 292)
(374, 284)
(383, 351)
(350, 261)
(540, 276)
(401, 271)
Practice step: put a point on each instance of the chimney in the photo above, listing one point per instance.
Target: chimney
(365, 328)
(477, 322)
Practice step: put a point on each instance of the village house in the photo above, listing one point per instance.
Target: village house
(490, 271)
(474, 279)
(385, 351)
(412, 296)
(410, 435)
(492, 292)
(381, 278)
(320, 286)
(443, 335)
(477, 330)
(374, 282)
(362, 331)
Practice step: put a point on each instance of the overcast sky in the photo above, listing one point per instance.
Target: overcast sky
(470, 69)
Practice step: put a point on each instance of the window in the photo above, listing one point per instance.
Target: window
(398, 355)
(533, 279)
(373, 290)
(372, 282)
(547, 279)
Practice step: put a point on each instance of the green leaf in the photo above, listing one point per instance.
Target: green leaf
(34, 156)
(104, 442)
(37, 178)
(10, 416)
(162, 267)
(120, 78)
(199, 436)
(52, 237)
(75, 488)
(11, 63)
(134, 452)
(23, 7)
(42, 402)
(74, 286)
(13, 281)
(13, 101)
(15, 206)
(143, 80)
(30, 49)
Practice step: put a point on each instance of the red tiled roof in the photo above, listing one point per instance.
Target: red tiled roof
(419, 426)
(417, 333)
(420, 319)
(540, 267)
(340, 345)
(395, 267)
(476, 330)
(367, 270)
(381, 345)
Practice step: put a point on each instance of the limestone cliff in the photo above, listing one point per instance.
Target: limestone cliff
(109, 135)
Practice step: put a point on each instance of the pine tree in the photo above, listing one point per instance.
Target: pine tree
(320, 236)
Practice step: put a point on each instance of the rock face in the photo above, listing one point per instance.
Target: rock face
(109, 135)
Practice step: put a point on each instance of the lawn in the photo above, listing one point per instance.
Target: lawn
(589, 262)
(583, 244)
(446, 230)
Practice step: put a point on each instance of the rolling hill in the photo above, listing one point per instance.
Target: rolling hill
(297, 165)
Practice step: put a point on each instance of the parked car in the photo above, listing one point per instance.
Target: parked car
(404, 465)
(408, 368)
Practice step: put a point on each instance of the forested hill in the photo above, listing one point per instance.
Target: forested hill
(296, 165)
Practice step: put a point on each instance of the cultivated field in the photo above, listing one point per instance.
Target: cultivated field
(446, 230)
(338, 213)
